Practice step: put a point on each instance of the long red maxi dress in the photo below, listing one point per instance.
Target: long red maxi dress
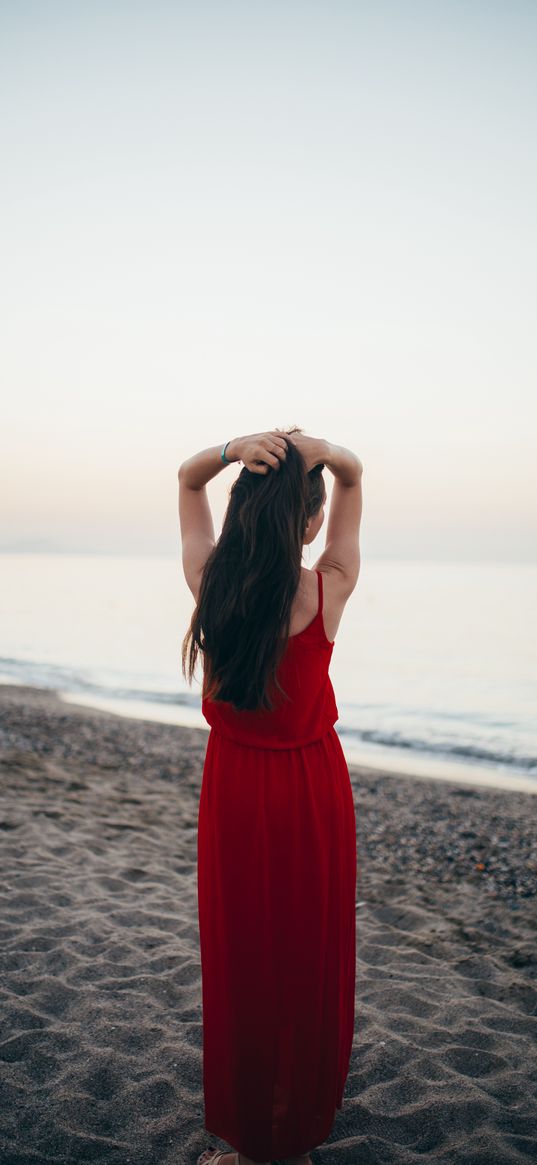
(276, 907)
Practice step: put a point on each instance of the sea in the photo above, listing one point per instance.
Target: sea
(434, 665)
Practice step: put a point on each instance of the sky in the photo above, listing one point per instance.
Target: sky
(224, 218)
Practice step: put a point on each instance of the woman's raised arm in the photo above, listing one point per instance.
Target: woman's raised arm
(341, 555)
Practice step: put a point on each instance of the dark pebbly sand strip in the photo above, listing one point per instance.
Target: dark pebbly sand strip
(101, 1036)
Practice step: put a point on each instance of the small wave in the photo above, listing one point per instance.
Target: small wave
(60, 678)
(460, 750)
(70, 680)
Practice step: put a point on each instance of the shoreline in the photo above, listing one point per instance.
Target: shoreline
(395, 764)
(101, 974)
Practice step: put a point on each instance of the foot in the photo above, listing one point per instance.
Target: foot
(239, 1159)
(209, 1155)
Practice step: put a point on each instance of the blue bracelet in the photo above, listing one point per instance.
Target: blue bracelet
(223, 453)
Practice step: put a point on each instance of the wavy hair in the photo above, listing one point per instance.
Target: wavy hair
(243, 614)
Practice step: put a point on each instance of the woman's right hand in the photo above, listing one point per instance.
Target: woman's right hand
(259, 452)
(313, 449)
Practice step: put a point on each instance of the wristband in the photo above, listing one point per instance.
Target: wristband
(223, 453)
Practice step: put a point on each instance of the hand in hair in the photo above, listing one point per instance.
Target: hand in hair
(259, 452)
(313, 449)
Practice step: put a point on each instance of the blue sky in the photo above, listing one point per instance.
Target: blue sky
(222, 218)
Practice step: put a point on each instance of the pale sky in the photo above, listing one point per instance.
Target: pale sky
(220, 218)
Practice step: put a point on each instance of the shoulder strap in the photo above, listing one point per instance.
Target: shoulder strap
(320, 606)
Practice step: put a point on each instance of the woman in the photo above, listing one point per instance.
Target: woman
(276, 825)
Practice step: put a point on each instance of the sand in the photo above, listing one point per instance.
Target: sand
(101, 1036)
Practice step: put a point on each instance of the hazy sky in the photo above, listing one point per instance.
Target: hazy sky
(226, 217)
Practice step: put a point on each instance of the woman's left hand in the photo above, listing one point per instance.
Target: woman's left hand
(259, 452)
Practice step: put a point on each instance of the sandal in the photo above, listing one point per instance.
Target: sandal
(217, 1156)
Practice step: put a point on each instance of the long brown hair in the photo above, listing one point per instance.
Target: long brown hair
(242, 618)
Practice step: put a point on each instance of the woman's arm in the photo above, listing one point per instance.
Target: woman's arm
(341, 555)
(202, 467)
(196, 522)
(195, 518)
(258, 451)
(343, 463)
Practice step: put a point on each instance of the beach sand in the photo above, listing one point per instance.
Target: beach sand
(101, 1036)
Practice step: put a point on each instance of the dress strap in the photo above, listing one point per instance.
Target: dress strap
(320, 586)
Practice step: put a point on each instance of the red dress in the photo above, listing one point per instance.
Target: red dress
(276, 906)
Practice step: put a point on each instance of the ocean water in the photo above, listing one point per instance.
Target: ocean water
(434, 666)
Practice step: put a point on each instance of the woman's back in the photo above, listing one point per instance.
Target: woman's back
(311, 709)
